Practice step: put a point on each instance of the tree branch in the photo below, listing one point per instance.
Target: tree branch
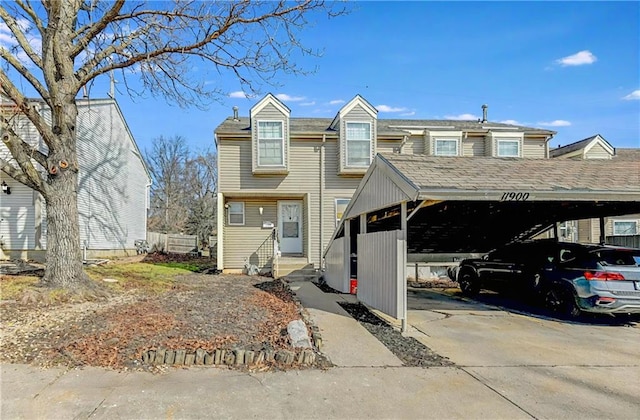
(22, 103)
(90, 32)
(27, 174)
(11, 23)
(24, 72)
(35, 19)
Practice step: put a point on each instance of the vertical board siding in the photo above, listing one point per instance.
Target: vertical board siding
(379, 192)
(381, 262)
(335, 270)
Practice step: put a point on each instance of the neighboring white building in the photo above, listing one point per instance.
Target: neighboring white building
(113, 188)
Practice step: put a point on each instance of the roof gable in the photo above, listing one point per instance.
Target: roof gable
(582, 147)
(357, 100)
(269, 99)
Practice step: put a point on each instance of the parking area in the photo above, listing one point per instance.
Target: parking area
(496, 330)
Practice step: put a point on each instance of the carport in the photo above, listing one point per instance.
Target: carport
(418, 204)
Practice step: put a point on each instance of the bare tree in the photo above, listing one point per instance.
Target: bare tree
(201, 182)
(60, 46)
(167, 163)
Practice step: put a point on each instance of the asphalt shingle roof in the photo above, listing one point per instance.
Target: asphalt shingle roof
(386, 127)
(504, 174)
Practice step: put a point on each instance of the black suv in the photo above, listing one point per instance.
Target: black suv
(567, 277)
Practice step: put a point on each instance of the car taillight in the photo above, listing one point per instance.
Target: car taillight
(603, 275)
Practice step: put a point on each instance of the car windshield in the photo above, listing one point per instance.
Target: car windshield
(618, 257)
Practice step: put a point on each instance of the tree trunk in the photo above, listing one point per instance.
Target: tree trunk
(64, 254)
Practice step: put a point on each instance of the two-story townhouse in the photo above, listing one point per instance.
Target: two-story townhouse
(113, 186)
(618, 230)
(294, 176)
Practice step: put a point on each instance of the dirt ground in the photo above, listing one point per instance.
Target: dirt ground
(198, 311)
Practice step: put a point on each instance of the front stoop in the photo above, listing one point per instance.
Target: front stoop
(296, 269)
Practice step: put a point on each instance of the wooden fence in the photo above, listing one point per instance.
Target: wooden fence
(176, 243)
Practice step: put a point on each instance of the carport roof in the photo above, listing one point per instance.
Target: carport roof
(490, 174)
(393, 178)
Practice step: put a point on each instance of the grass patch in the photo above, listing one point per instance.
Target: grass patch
(13, 287)
(181, 265)
(150, 277)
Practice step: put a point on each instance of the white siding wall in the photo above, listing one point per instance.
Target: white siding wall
(381, 272)
(597, 152)
(335, 267)
(112, 181)
(17, 216)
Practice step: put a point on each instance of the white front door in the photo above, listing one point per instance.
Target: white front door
(290, 226)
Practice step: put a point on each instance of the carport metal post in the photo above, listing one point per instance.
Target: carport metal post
(603, 238)
(403, 269)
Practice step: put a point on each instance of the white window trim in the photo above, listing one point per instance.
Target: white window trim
(229, 213)
(509, 140)
(613, 226)
(346, 143)
(435, 145)
(263, 165)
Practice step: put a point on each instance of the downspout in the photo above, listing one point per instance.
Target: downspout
(324, 139)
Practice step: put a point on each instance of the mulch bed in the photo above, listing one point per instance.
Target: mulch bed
(202, 311)
(409, 350)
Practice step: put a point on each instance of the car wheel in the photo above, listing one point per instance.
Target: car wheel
(469, 283)
(561, 301)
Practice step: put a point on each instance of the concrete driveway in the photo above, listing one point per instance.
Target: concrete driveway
(591, 366)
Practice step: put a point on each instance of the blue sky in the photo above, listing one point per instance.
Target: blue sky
(572, 67)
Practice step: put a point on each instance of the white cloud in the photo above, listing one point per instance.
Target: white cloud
(578, 59)
(387, 108)
(512, 122)
(312, 103)
(461, 117)
(238, 94)
(555, 123)
(285, 97)
(633, 96)
(408, 114)
(337, 102)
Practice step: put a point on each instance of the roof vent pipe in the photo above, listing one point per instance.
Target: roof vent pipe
(235, 114)
(484, 113)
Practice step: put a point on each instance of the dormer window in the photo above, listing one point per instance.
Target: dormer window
(508, 148)
(358, 137)
(270, 143)
(445, 147)
(269, 137)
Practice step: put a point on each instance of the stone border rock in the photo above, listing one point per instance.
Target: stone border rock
(246, 358)
(224, 357)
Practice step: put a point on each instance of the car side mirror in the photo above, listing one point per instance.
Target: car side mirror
(485, 257)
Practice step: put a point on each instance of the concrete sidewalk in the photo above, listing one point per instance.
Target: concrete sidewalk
(195, 393)
(344, 341)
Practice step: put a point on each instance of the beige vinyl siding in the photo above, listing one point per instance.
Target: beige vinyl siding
(473, 146)
(608, 227)
(488, 146)
(414, 145)
(243, 242)
(270, 113)
(388, 146)
(304, 178)
(584, 231)
(357, 114)
(597, 152)
(533, 148)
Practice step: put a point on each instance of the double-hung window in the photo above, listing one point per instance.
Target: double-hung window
(625, 227)
(270, 143)
(235, 212)
(508, 148)
(445, 147)
(358, 138)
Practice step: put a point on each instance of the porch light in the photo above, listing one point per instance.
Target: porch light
(5, 188)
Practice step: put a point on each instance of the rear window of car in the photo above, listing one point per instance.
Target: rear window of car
(616, 257)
